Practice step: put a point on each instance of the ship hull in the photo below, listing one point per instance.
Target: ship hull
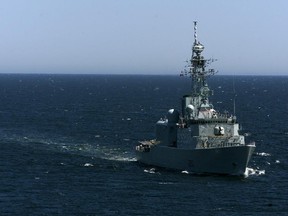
(229, 160)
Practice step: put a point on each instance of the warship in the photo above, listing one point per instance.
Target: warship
(198, 139)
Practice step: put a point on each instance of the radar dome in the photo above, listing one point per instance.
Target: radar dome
(173, 116)
(198, 48)
(190, 108)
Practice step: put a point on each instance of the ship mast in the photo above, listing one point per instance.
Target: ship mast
(196, 70)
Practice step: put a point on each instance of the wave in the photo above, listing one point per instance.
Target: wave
(263, 154)
(101, 152)
(151, 171)
(70, 146)
(253, 172)
(120, 158)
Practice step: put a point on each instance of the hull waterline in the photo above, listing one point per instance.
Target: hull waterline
(230, 161)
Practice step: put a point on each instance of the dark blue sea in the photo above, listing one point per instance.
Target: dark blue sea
(67, 146)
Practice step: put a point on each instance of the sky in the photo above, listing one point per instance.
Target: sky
(247, 37)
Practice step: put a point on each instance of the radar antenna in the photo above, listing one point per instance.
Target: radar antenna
(195, 32)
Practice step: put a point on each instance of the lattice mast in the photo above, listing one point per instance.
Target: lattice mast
(196, 69)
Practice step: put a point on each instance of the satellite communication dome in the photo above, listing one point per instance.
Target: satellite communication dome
(173, 116)
(198, 48)
(190, 108)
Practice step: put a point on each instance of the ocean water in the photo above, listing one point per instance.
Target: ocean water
(67, 146)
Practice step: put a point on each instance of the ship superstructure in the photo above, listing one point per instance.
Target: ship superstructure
(199, 139)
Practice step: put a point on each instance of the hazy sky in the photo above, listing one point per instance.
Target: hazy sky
(142, 36)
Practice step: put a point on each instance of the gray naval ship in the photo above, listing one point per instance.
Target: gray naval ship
(199, 139)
